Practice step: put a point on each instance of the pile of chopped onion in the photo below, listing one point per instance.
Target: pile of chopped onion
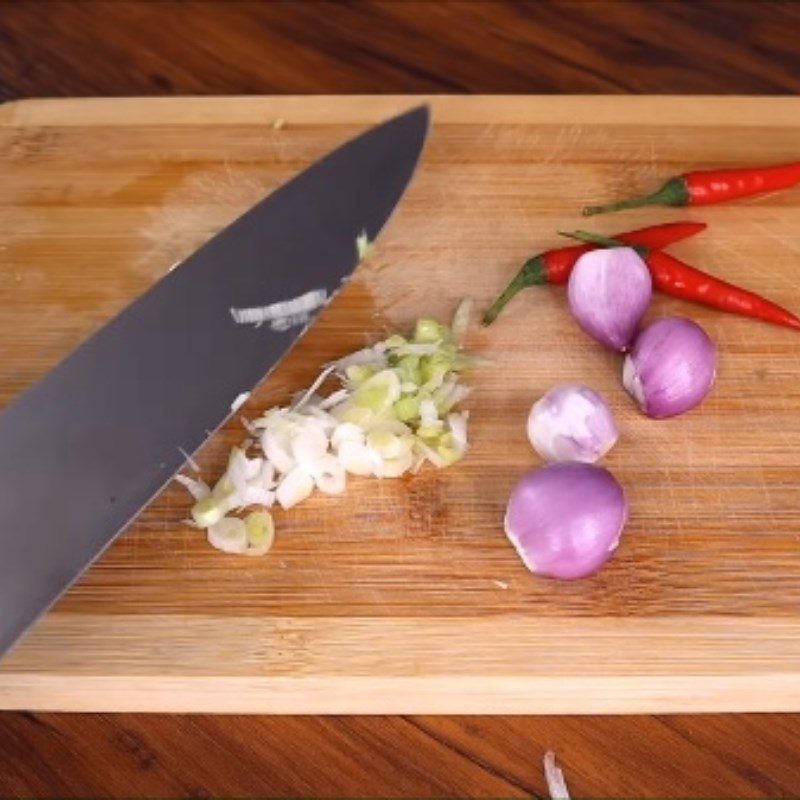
(395, 410)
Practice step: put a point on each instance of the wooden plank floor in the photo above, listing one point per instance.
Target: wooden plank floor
(660, 46)
(125, 48)
(46, 755)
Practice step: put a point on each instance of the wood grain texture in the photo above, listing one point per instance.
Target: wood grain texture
(86, 48)
(405, 596)
(124, 755)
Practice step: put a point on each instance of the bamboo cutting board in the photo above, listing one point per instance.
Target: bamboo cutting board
(404, 596)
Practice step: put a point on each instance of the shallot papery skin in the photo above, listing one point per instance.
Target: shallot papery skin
(609, 291)
(571, 423)
(565, 520)
(671, 368)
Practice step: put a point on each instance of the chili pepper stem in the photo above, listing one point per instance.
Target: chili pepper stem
(603, 241)
(674, 192)
(532, 272)
(592, 238)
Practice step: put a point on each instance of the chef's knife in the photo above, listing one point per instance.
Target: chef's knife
(83, 450)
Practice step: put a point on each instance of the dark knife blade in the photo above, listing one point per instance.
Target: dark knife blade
(83, 450)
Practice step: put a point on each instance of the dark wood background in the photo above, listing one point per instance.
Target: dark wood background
(230, 47)
(50, 48)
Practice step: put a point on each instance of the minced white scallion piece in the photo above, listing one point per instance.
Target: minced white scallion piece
(190, 462)
(309, 444)
(357, 458)
(329, 474)
(269, 418)
(295, 487)
(239, 401)
(429, 453)
(256, 496)
(290, 321)
(459, 394)
(413, 349)
(282, 315)
(241, 470)
(395, 467)
(228, 535)
(458, 427)
(337, 397)
(208, 511)
(198, 489)
(368, 356)
(363, 245)
(309, 393)
(327, 421)
(386, 443)
(419, 462)
(428, 412)
(277, 448)
(258, 490)
(347, 432)
(460, 323)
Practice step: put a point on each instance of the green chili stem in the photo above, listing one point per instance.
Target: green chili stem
(674, 192)
(603, 241)
(532, 273)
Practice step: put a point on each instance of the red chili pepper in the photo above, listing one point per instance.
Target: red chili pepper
(707, 187)
(678, 279)
(555, 266)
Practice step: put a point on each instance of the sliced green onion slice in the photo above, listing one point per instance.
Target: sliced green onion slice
(228, 535)
(363, 245)
(260, 530)
(379, 393)
(208, 512)
(429, 331)
(460, 323)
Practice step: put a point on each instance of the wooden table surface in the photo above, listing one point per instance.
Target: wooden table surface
(119, 48)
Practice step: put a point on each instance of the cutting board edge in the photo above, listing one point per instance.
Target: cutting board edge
(321, 665)
(689, 110)
(657, 694)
